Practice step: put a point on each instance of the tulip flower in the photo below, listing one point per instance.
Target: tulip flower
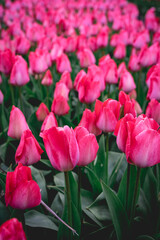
(50, 121)
(86, 57)
(42, 112)
(29, 150)
(66, 78)
(139, 138)
(17, 123)
(60, 106)
(22, 191)
(61, 147)
(12, 230)
(47, 79)
(88, 121)
(126, 83)
(153, 110)
(120, 51)
(107, 114)
(19, 74)
(38, 61)
(78, 78)
(63, 63)
(88, 146)
(6, 61)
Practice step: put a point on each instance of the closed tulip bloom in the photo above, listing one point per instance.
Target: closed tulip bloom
(56, 51)
(88, 121)
(6, 61)
(96, 74)
(143, 142)
(88, 90)
(107, 114)
(60, 106)
(63, 63)
(50, 121)
(61, 147)
(22, 191)
(133, 63)
(153, 110)
(71, 44)
(17, 123)
(126, 83)
(154, 71)
(66, 78)
(47, 79)
(42, 112)
(29, 150)
(86, 57)
(22, 45)
(38, 61)
(78, 78)
(19, 74)
(127, 105)
(154, 88)
(88, 146)
(121, 131)
(12, 230)
(61, 90)
(120, 51)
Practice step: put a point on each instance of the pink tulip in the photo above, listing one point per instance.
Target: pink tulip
(71, 44)
(96, 74)
(12, 230)
(60, 106)
(42, 112)
(21, 191)
(140, 139)
(22, 45)
(61, 147)
(35, 32)
(19, 74)
(120, 51)
(47, 79)
(28, 151)
(88, 146)
(88, 90)
(78, 78)
(133, 64)
(38, 61)
(56, 51)
(61, 90)
(154, 88)
(126, 83)
(88, 121)
(86, 57)
(153, 110)
(107, 114)
(63, 63)
(6, 61)
(66, 79)
(50, 121)
(17, 123)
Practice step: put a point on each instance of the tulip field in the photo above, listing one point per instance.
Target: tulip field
(79, 119)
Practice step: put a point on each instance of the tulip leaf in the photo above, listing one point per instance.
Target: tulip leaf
(94, 181)
(99, 164)
(117, 211)
(144, 237)
(99, 208)
(34, 218)
(4, 216)
(3, 149)
(39, 178)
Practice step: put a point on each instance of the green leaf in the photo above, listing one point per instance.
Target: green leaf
(3, 149)
(37, 219)
(117, 211)
(94, 181)
(101, 156)
(99, 208)
(145, 237)
(47, 163)
(4, 216)
(39, 178)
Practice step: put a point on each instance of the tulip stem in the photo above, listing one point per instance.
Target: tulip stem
(12, 94)
(48, 97)
(106, 162)
(68, 193)
(54, 214)
(128, 180)
(79, 189)
(135, 192)
(20, 97)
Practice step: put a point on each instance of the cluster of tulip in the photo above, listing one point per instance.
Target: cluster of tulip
(77, 76)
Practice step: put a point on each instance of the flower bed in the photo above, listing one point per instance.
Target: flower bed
(79, 120)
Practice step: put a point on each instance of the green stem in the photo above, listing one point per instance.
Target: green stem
(128, 180)
(68, 193)
(20, 98)
(135, 192)
(79, 190)
(106, 162)
(139, 85)
(48, 97)
(109, 85)
(12, 94)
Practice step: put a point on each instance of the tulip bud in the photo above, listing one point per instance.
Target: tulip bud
(42, 112)
(17, 123)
